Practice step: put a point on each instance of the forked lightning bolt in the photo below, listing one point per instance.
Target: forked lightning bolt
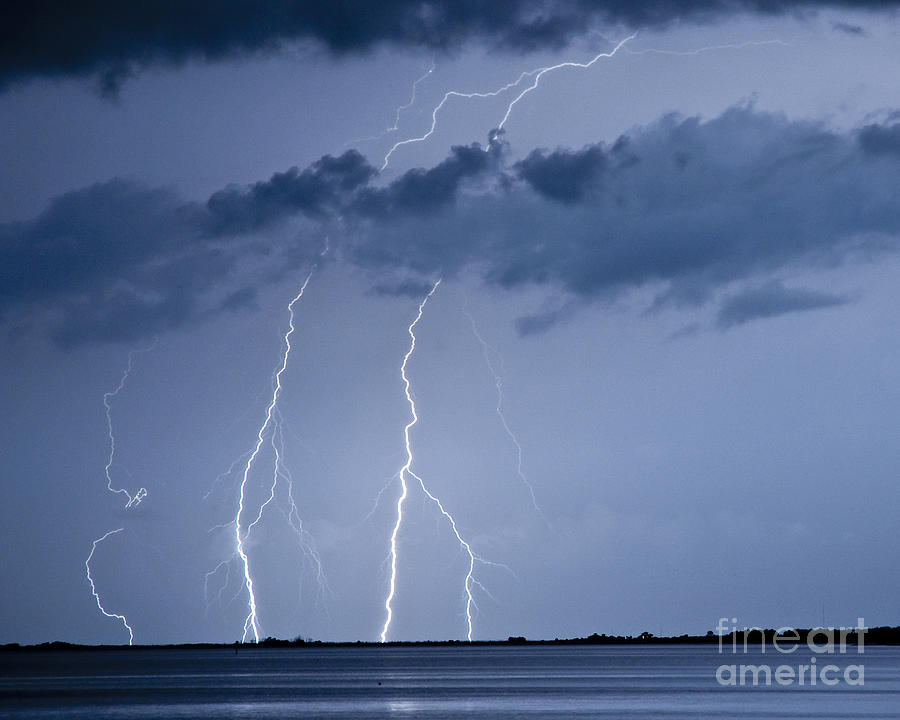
(539, 73)
(536, 74)
(87, 569)
(494, 361)
(270, 426)
(406, 471)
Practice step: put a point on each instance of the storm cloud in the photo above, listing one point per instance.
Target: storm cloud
(771, 300)
(689, 207)
(693, 208)
(113, 40)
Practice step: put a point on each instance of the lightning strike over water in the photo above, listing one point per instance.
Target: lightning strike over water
(87, 569)
(405, 471)
(269, 425)
(494, 361)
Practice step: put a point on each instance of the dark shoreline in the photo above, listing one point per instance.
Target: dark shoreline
(873, 636)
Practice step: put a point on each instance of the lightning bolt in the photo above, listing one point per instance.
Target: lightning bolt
(536, 74)
(87, 569)
(437, 109)
(133, 500)
(271, 428)
(543, 71)
(407, 472)
(398, 112)
(412, 98)
(709, 48)
(252, 623)
(539, 73)
(490, 355)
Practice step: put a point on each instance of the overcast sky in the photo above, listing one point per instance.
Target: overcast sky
(683, 260)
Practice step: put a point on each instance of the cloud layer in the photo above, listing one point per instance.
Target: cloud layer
(112, 40)
(692, 208)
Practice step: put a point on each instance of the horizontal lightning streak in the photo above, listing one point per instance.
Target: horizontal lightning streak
(709, 48)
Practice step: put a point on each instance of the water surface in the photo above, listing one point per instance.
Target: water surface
(429, 682)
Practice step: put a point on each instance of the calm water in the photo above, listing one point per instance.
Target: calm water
(437, 682)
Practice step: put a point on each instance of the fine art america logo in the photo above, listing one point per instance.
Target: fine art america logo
(820, 645)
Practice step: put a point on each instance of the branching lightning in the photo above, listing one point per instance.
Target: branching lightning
(271, 429)
(494, 361)
(251, 624)
(536, 74)
(406, 471)
(437, 109)
(539, 73)
(87, 569)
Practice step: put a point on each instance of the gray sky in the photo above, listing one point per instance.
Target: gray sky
(687, 261)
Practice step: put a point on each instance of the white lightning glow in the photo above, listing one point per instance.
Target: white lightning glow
(87, 569)
(405, 471)
(537, 74)
(494, 361)
(133, 500)
(251, 624)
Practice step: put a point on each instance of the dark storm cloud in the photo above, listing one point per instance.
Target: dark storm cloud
(119, 260)
(90, 236)
(316, 191)
(112, 39)
(686, 206)
(241, 299)
(771, 300)
(564, 176)
(881, 139)
(849, 28)
(421, 191)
